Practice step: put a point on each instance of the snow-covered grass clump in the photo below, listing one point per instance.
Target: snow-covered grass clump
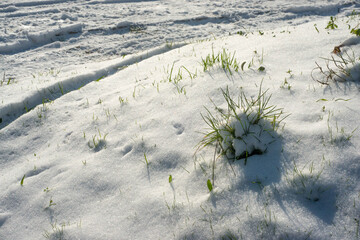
(246, 128)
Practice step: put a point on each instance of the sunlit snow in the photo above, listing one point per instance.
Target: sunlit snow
(103, 120)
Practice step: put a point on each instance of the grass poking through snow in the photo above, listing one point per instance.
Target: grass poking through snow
(245, 128)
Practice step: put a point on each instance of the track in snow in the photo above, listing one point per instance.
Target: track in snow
(32, 35)
(13, 110)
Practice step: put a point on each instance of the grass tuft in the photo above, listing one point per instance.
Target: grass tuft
(305, 181)
(340, 68)
(226, 60)
(244, 129)
(98, 142)
(331, 24)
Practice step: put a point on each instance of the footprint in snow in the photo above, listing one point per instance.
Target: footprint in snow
(3, 218)
(179, 128)
(126, 149)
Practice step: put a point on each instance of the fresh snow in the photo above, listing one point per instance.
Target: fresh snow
(101, 116)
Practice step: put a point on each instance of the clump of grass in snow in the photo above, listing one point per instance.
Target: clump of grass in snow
(338, 135)
(259, 58)
(245, 128)
(6, 81)
(286, 85)
(225, 59)
(61, 88)
(41, 111)
(176, 79)
(169, 44)
(178, 76)
(354, 16)
(122, 101)
(98, 142)
(58, 232)
(341, 67)
(331, 23)
(51, 203)
(306, 182)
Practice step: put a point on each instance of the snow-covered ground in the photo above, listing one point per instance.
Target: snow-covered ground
(103, 105)
(39, 34)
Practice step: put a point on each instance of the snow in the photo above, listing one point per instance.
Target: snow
(39, 38)
(351, 41)
(88, 141)
(161, 21)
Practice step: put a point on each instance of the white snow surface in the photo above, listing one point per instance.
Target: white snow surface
(100, 120)
(39, 34)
